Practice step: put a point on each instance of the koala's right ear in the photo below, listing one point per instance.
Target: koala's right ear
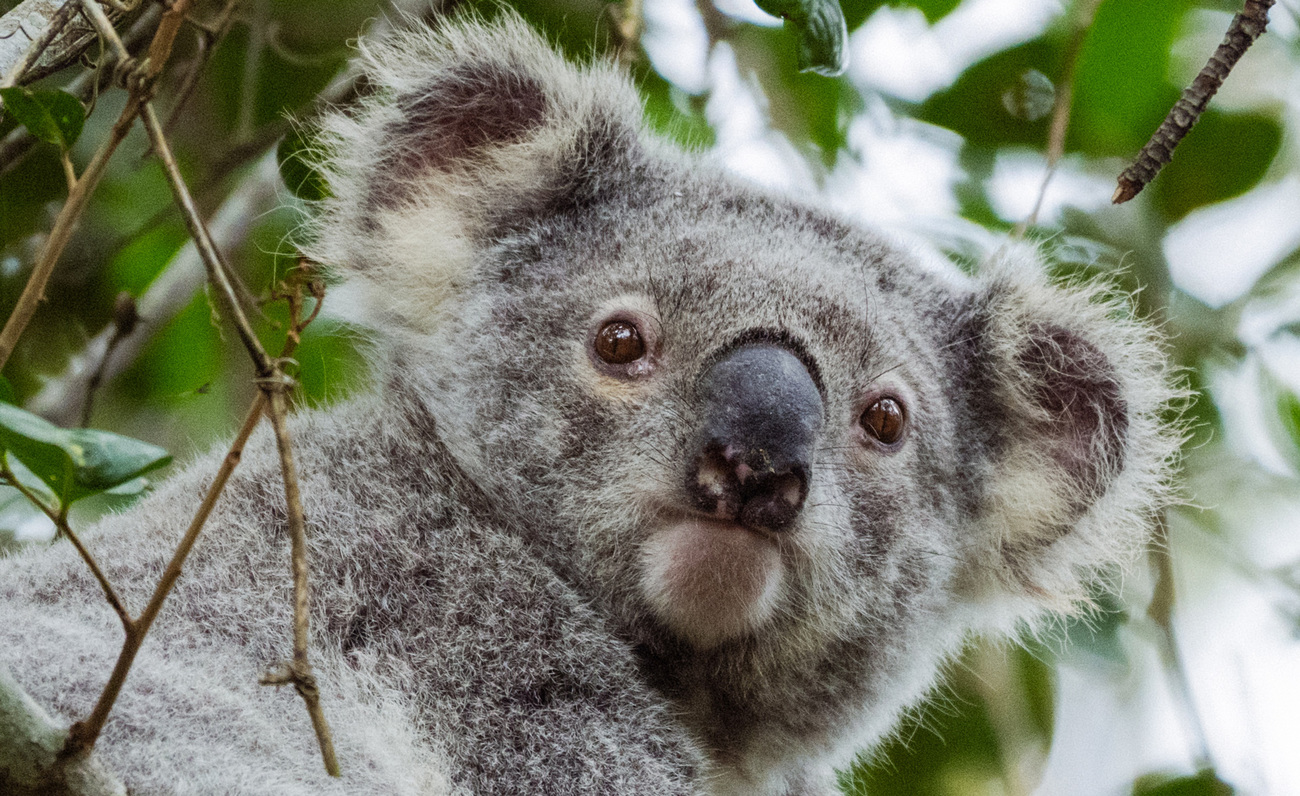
(473, 127)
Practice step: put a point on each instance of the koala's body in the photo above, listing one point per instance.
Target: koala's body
(669, 485)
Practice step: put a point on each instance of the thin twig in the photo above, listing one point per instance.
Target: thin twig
(83, 733)
(273, 383)
(298, 672)
(95, 13)
(16, 146)
(303, 679)
(217, 273)
(1087, 12)
(1245, 28)
(59, 400)
(34, 292)
(60, 519)
(208, 42)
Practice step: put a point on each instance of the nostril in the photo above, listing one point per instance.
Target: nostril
(743, 486)
(772, 502)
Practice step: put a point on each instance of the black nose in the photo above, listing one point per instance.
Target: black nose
(761, 415)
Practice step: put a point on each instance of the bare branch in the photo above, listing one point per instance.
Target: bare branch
(85, 732)
(300, 671)
(57, 36)
(34, 292)
(60, 399)
(19, 142)
(217, 273)
(54, 26)
(1245, 28)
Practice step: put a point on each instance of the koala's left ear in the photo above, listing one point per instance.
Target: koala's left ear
(1070, 401)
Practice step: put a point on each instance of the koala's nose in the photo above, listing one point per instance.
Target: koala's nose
(761, 416)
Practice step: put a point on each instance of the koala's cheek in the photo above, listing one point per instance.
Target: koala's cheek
(711, 581)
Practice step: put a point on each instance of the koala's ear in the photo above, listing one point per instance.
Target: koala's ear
(1069, 402)
(471, 128)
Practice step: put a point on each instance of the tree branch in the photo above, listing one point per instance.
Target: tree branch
(1245, 28)
(60, 399)
(34, 292)
(55, 25)
(31, 758)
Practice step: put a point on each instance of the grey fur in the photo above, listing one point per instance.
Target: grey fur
(498, 531)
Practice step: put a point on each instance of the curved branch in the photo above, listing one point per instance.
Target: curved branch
(1245, 28)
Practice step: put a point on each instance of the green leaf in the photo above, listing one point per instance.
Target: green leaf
(53, 116)
(1204, 783)
(1289, 409)
(79, 462)
(296, 168)
(821, 31)
(6, 391)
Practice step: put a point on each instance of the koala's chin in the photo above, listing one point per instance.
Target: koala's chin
(711, 581)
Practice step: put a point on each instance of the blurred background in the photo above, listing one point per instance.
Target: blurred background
(1188, 682)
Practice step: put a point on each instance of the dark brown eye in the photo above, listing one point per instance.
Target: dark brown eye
(884, 420)
(619, 342)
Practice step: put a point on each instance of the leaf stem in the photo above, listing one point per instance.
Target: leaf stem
(60, 519)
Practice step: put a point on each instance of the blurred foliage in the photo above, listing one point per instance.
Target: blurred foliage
(192, 381)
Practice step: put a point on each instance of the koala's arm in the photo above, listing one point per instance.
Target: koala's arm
(448, 660)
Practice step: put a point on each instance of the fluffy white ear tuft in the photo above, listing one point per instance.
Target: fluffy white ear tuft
(470, 129)
(1080, 443)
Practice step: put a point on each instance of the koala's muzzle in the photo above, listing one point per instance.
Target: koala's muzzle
(760, 418)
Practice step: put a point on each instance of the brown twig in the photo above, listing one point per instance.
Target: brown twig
(217, 272)
(16, 146)
(83, 733)
(274, 384)
(1245, 28)
(34, 291)
(1087, 12)
(300, 671)
(60, 519)
(207, 40)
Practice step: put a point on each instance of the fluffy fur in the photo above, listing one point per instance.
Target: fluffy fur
(523, 581)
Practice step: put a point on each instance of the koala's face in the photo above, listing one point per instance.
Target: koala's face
(792, 467)
(728, 415)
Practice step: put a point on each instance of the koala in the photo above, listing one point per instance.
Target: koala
(665, 484)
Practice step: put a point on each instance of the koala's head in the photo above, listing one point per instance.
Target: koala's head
(793, 467)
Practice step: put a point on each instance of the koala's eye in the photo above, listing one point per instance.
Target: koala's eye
(884, 420)
(619, 342)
